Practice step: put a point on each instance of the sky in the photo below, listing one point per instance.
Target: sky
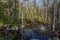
(38, 2)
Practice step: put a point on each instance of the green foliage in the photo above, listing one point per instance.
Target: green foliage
(8, 13)
(4, 13)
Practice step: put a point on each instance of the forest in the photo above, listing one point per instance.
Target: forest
(12, 12)
(42, 16)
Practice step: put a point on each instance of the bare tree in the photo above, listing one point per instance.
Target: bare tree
(46, 9)
(55, 14)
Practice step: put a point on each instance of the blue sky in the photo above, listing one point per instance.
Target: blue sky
(38, 2)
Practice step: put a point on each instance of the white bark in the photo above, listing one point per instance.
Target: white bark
(55, 13)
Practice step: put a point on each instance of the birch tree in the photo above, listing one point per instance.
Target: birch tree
(55, 13)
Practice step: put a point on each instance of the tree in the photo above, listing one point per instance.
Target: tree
(55, 14)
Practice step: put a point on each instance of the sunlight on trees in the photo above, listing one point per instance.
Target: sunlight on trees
(11, 13)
